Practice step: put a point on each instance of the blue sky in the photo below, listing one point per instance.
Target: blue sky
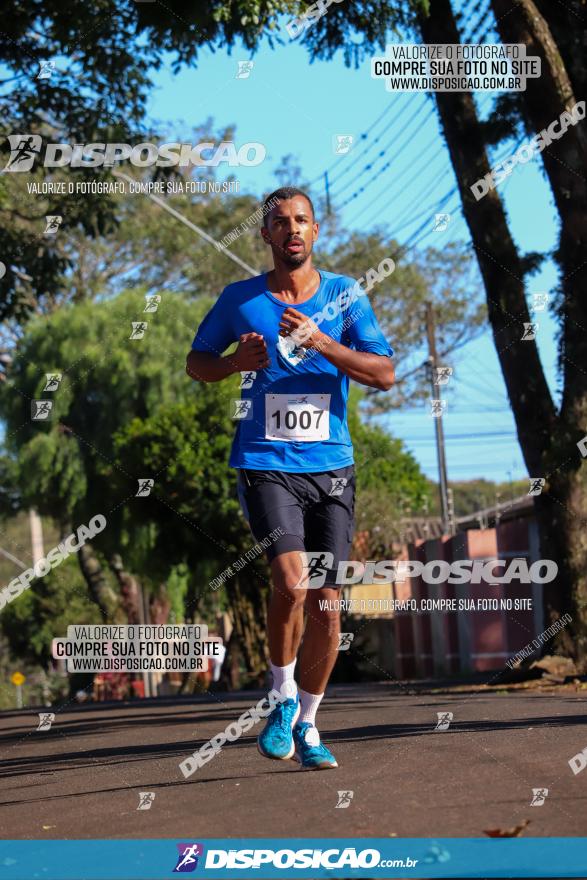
(294, 107)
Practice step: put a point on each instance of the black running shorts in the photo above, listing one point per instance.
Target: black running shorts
(305, 512)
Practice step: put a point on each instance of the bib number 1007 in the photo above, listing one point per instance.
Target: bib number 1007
(302, 417)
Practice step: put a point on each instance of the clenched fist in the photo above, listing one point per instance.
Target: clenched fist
(251, 353)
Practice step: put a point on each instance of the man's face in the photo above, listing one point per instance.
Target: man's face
(291, 231)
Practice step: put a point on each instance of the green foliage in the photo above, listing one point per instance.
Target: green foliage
(177, 590)
(390, 484)
(108, 379)
(472, 495)
(44, 611)
(10, 498)
(187, 445)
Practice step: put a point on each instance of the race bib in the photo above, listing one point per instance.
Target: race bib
(302, 417)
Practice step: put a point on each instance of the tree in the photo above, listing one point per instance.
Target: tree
(134, 415)
(548, 439)
(107, 379)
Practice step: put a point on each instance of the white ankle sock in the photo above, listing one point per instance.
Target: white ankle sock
(283, 679)
(309, 706)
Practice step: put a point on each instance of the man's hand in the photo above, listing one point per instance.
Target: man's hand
(302, 329)
(251, 353)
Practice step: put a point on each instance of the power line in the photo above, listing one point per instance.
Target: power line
(396, 180)
(363, 136)
(394, 122)
(383, 168)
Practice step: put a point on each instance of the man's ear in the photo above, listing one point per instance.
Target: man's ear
(265, 235)
(315, 231)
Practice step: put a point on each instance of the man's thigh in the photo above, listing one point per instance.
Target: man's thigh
(329, 521)
(273, 509)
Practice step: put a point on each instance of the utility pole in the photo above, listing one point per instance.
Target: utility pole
(437, 413)
(451, 512)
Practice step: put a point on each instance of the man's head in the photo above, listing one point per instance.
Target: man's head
(289, 226)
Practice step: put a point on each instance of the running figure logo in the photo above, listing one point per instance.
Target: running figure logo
(244, 69)
(53, 380)
(152, 303)
(441, 222)
(46, 719)
(539, 302)
(138, 329)
(146, 799)
(338, 485)
(243, 409)
(438, 407)
(47, 68)
(247, 379)
(187, 861)
(344, 641)
(444, 719)
(24, 149)
(343, 144)
(145, 486)
(41, 409)
(536, 485)
(290, 352)
(442, 375)
(539, 795)
(344, 799)
(314, 568)
(52, 223)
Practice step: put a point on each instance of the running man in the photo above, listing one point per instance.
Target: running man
(302, 333)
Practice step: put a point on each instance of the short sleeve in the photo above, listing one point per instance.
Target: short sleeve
(215, 333)
(363, 330)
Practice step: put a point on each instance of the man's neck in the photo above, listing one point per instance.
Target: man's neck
(294, 285)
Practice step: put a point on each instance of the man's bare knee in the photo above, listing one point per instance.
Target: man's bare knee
(286, 571)
(327, 618)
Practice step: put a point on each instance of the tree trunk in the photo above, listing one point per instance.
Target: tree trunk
(564, 505)
(568, 25)
(100, 590)
(249, 616)
(546, 441)
(230, 674)
(499, 261)
(160, 606)
(129, 589)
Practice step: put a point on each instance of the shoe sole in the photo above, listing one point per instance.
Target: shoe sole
(324, 766)
(291, 752)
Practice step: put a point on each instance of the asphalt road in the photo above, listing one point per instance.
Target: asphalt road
(82, 778)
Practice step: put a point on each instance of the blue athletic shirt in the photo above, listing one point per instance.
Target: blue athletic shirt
(301, 394)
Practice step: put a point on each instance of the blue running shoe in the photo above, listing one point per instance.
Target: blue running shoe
(276, 740)
(310, 752)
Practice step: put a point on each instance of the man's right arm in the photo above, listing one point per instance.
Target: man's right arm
(251, 354)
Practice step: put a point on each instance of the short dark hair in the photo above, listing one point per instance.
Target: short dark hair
(284, 193)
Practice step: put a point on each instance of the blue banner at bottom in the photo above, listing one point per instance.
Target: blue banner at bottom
(310, 858)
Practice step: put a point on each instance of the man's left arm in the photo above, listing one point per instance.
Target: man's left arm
(374, 370)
